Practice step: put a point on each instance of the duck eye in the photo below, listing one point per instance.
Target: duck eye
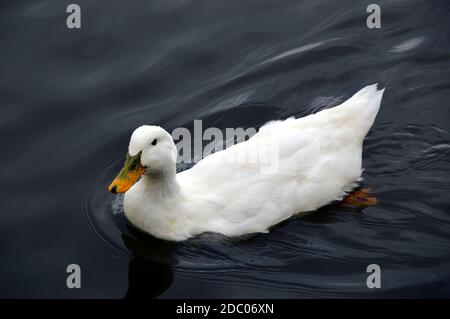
(133, 166)
(154, 141)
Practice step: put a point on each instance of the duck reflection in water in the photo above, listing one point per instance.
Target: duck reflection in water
(150, 269)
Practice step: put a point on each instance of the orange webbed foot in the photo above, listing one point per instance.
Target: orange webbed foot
(359, 198)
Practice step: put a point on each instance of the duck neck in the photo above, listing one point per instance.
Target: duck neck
(161, 185)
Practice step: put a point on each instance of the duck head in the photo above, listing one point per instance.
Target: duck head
(151, 152)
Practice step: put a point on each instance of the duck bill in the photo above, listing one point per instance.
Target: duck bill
(130, 173)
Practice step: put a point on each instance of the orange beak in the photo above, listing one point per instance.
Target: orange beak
(130, 173)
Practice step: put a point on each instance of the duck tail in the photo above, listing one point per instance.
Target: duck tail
(361, 109)
(367, 102)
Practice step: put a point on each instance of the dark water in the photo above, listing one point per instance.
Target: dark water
(70, 99)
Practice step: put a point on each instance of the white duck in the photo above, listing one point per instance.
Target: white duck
(288, 167)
